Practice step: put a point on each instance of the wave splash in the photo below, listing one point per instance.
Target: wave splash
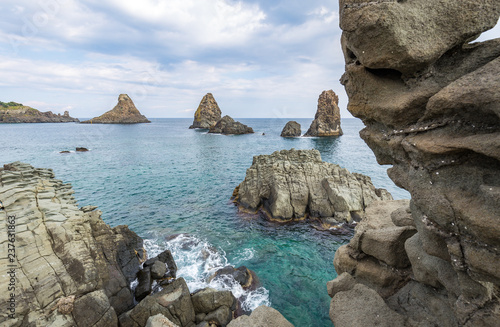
(197, 260)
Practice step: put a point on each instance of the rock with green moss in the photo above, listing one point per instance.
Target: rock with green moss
(13, 112)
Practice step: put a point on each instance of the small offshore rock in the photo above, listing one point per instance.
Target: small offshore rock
(207, 114)
(291, 129)
(65, 151)
(80, 149)
(228, 125)
(327, 119)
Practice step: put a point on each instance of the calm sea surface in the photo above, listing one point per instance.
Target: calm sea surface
(163, 179)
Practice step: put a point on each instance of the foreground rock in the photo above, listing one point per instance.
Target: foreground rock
(72, 268)
(430, 103)
(207, 114)
(13, 112)
(124, 112)
(260, 317)
(291, 129)
(228, 125)
(293, 184)
(327, 119)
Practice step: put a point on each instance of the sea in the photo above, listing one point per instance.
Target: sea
(173, 185)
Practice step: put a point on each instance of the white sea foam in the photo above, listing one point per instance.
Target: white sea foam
(197, 260)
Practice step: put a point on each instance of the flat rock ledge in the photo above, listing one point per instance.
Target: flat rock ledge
(295, 184)
(71, 269)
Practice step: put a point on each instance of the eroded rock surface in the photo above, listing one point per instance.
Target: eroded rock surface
(72, 268)
(207, 114)
(429, 100)
(293, 184)
(291, 129)
(124, 112)
(327, 119)
(228, 125)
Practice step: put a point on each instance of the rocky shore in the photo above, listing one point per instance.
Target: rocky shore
(12, 112)
(430, 101)
(295, 184)
(68, 268)
(124, 112)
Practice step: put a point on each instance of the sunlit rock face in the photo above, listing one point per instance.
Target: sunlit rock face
(430, 101)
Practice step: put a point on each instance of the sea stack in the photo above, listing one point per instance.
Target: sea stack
(430, 100)
(293, 184)
(228, 125)
(124, 112)
(327, 119)
(291, 129)
(207, 114)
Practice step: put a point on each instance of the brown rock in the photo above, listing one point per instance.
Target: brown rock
(124, 112)
(228, 125)
(207, 114)
(291, 129)
(327, 119)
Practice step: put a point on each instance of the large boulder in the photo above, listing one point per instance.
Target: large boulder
(291, 129)
(207, 114)
(429, 100)
(67, 259)
(228, 125)
(124, 112)
(327, 119)
(261, 317)
(293, 184)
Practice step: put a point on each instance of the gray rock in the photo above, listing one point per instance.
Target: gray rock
(145, 281)
(158, 270)
(362, 306)
(291, 129)
(327, 119)
(344, 282)
(159, 320)
(220, 317)
(228, 125)
(209, 299)
(289, 185)
(262, 316)
(94, 309)
(207, 114)
(166, 257)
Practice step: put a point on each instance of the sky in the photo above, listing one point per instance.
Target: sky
(259, 58)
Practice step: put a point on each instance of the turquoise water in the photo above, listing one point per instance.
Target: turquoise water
(163, 179)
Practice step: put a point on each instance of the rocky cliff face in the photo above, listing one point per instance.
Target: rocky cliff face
(17, 113)
(292, 184)
(124, 112)
(228, 125)
(66, 266)
(430, 102)
(207, 114)
(327, 119)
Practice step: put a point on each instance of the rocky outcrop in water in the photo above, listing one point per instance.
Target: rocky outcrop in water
(70, 267)
(228, 125)
(207, 114)
(327, 119)
(291, 129)
(13, 112)
(293, 184)
(124, 112)
(430, 102)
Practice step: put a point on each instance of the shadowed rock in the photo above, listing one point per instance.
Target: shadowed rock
(124, 112)
(291, 129)
(327, 119)
(228, 125)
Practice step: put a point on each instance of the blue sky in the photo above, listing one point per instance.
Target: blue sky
(260, 58)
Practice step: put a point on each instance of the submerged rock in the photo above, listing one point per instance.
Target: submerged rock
(291, 129)
(327, 119)
(207, 114)
(293, 184)
(124, 112)
(430, 102)
(228, 125)
(13, 112)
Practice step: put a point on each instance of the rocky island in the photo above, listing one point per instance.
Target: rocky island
(207, 114)
(228, 125)
(291, 129)
(294, 184)
(327, 119)
(124, 112)
(12, 112)
(430, 100)
(68, 268)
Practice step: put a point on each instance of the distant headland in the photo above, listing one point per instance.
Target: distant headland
(13, 112)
